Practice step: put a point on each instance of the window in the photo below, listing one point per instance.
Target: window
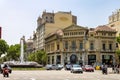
(103, 34)
(92, 56)
(103, 46)
(46, 17)
(112, 25)
(52, 59)
(73, 45)
(58, 47)
(51, 21)
(91, 46)
(110, 34)
(48, 60)
(81, 33)
(116, 45)
(91, 35)
(47, 21)
(81, 46)
(51, 18)
(66, 44)
(110, 46)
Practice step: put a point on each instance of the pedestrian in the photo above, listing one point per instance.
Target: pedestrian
(104, 69)
(117, 69)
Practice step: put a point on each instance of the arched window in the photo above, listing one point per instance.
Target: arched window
(91, 46)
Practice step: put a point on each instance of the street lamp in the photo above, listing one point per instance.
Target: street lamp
(84, 49)
(114, 63)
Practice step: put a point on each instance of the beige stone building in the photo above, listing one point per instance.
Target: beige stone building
(77, 44)
(114, 21)
(50, 22)
(29, 46)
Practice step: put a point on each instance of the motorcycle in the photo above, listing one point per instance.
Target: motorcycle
(5, 72)
(104, 70)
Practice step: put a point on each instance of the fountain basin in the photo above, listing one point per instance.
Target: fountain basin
(26, 64)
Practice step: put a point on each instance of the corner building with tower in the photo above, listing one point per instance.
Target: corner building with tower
(66, 42)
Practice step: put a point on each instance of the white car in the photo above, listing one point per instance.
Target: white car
(59, 66)
(50, 67)
(76, 68)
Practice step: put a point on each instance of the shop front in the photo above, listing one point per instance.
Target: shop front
(91, 59)
(107, 59)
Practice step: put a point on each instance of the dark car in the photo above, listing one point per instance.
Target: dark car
(68, 67)
(2, 66)
(88, 68)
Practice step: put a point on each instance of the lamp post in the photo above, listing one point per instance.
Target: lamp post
(84, 49)
(114, 63)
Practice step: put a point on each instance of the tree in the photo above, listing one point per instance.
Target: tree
(118, 51)
(39, 56)
(14, 52)
(3, 47)
(31, 57)
(118, 39)
(44, 57)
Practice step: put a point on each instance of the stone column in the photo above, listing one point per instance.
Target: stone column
(62, 58)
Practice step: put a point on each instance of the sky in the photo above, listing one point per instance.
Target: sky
(19, 17)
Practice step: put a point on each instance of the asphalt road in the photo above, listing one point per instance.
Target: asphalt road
(59, 75)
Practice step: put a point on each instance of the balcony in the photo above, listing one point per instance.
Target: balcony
(108, 50)
(92, 50)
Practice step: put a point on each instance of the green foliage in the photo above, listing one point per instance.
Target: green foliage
(31, 57)
(39, 56)
(3, 47)
(14, 52)
(118, 39)
(118, 52)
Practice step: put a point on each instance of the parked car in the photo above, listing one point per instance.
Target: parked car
(88, 68)
(59, 67)
(68, 67)
(50, 67)
(2, 66)
(76, 68)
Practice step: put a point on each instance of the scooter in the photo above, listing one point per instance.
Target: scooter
(5, 72)
(104, 70)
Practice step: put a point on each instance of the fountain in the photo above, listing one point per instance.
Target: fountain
(22, 51)
(22, 63)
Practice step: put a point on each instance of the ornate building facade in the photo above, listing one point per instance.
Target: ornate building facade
(77, 44)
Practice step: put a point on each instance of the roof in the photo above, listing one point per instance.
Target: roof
(57, 32)
(75, 27)
(104, 28)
